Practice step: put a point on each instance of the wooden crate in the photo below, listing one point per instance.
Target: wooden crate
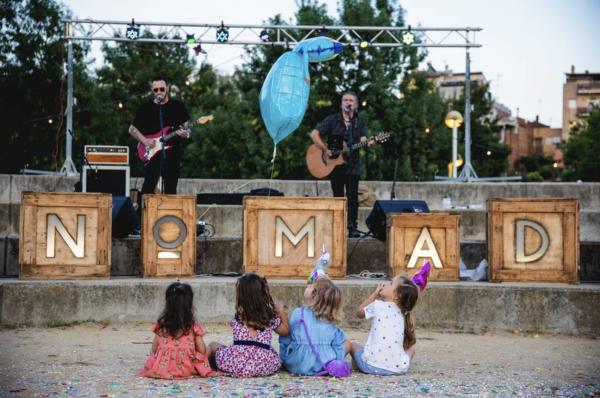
(168, 236)
(514, 240)
(409, 233)
(65, 235)
(271, 252)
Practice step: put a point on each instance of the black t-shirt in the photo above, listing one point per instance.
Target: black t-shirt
(337, 133)
(174, 113)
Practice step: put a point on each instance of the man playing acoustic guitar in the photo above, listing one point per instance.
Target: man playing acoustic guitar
(344, 127)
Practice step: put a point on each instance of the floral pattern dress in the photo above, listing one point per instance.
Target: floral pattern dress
(177, 358)
(249, 360)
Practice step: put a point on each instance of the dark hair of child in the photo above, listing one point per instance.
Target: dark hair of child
(254, 306)
(178, 316)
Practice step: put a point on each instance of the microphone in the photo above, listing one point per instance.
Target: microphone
(158, 99)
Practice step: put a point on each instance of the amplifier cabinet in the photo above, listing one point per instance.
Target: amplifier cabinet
(105, 179)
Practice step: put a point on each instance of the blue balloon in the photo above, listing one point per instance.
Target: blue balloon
(319, 49)
(284, 95)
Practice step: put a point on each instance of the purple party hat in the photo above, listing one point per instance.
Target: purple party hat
(420, 278)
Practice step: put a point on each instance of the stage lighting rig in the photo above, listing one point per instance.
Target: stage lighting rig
(408, 37)
(133, 31)
(264, 36)
(190, 39)
(223, 34)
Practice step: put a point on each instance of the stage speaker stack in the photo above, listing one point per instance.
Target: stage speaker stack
(106, 170)
(377, 219)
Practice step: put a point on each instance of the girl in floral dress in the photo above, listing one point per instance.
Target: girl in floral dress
(178, 350)
(256, 317)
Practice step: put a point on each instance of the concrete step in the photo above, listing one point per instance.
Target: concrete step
(225, 255)
(463, 306)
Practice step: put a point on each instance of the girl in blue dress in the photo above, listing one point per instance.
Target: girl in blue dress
(329, 341)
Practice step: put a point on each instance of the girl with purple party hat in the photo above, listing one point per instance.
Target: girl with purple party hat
(391, 343)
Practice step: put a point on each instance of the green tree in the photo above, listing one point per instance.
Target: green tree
(581, 151)
(32, 59)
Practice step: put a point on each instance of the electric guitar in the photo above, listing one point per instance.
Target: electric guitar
(161, 137)
(320, 165)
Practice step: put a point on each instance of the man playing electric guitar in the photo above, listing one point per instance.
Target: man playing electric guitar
(344, 127)
(147, 122)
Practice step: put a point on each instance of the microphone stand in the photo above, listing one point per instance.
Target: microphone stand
(393, 193)
(163, 155)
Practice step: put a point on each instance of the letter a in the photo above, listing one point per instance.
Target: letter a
(420, 252)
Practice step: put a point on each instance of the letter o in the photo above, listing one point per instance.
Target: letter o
(180, 225)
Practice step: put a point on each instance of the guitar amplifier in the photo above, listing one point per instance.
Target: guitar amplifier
(113, 179)
(107, 154)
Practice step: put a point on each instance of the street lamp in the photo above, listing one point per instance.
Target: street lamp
(453, 121)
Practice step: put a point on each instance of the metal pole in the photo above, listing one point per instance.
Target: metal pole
(68, 166)
(454, 150)
(468, 173)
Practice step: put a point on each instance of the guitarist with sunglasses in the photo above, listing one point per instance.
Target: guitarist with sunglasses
(344, 127)
(147, 122)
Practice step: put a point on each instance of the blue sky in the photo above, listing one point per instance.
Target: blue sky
(528, 45)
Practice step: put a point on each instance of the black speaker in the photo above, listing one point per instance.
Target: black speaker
(377, 219)
(124, 219)
(106, 179)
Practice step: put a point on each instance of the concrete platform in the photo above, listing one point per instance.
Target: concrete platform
(226, 220)
(464, 306)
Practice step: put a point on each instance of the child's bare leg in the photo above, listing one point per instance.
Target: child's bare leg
(411, 351)
(351, 347)
(212, 348)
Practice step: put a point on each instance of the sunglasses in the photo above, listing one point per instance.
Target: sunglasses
(159, 89)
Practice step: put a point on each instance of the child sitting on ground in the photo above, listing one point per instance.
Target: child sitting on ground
(319, 331)
(391, 342)
(256, 317)
(178, 349)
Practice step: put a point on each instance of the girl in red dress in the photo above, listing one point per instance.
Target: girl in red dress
(178, 350)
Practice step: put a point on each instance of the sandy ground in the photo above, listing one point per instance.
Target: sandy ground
(96, 360)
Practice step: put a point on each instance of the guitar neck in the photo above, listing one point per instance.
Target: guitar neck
(189, 123)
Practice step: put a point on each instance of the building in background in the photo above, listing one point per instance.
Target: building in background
(581, 92)
(451, 85)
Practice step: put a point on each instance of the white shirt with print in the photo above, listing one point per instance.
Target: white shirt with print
(384, 347)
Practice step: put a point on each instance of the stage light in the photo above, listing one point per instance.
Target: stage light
(50, 121)
(322, 32)
(190, 40)
(120, 104)
(133, 31)
(453, 121)
(187, 82)
(408, 37)
(264, 36)
(555, 165)
(198, 50)
(489, 153)
(364, 44)
(223, 34)
(364, 103)
(427, 130)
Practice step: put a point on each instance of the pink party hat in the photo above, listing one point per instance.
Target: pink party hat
(420, 278)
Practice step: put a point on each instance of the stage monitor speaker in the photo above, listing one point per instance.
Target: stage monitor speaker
(105, 179)
(124, 219)
(377, 219)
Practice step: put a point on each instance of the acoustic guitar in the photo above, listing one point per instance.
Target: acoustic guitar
(161, 137)
(320, 165)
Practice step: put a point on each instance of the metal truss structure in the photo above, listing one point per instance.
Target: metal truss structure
(267, 35)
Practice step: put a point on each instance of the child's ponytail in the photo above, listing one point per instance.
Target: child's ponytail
(407, 294)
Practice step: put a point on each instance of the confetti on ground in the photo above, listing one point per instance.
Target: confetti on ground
(86, 360)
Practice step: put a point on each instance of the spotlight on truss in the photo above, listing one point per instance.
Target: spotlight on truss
(264, 36)
(223, 34)
(408, 37)
(133, 31)
(322, 32)
(198, 50)
(190, 39)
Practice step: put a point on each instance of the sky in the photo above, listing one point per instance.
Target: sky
(527, 45)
